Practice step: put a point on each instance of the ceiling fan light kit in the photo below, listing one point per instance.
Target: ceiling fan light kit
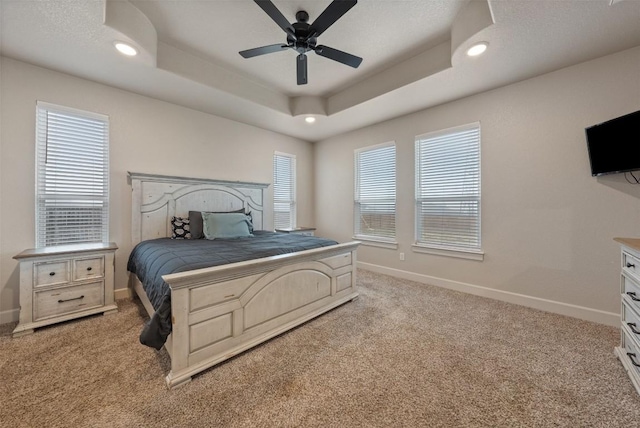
(302, 37)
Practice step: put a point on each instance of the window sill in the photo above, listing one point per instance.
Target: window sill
(448, 252)
(372, 242)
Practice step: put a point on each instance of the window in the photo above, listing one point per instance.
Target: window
(284, 191)
(72, 176)
(375, 193)
(448, 190)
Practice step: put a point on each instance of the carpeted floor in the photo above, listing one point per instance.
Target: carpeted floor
(402, 354)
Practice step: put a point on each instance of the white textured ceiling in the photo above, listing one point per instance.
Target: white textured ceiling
(412, 51)
(381, 32)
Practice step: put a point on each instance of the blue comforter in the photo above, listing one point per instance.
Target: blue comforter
(152, 259)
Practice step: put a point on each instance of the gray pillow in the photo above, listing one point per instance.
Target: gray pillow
(225, 225)
(195, 221)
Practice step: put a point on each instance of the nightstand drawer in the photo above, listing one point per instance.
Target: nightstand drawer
(88, 268)
(51, 273)
(67, 299)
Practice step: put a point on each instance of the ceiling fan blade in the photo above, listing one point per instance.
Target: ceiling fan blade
(250, 53)
(336, 55)
(301, 68)
(331, 14)
(276, 15)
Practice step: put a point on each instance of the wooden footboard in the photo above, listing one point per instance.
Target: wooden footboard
(221, 311)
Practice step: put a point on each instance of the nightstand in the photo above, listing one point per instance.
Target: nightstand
(309, 231)
(65, 282)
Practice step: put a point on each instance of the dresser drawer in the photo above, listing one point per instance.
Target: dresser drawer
(632, 320)
(630, 264)
(50, 273)
(88, 268)
(631, 353)
(631, 292)
(67, 299)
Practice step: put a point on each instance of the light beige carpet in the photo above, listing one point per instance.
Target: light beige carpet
(402, 354)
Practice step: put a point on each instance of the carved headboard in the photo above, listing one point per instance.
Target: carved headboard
(157, 198)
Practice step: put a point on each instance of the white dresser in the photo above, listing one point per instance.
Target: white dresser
(629, 350)
(64, 282)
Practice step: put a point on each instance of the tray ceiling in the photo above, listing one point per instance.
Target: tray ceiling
(413, 52)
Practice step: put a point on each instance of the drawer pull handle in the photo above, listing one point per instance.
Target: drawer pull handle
(632, 357)
(630, 265)
(68, 300)
(51, 273)
(632, 326)
(89, 268)
(633, 296)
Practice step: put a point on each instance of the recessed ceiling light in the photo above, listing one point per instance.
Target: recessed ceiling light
(309, 119)
(125, 49)
(477, 49)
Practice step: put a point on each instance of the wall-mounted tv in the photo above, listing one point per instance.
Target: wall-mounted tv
(614, 145)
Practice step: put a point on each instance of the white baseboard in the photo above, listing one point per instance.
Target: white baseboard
(122, 293)
(595, 315)
(11, 315)
(588, 314)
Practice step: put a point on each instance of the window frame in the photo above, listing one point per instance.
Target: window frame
(368, 239)
(293, 200)
(451, 250)
(99, 194)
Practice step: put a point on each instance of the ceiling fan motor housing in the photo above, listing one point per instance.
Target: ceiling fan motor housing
(302, 16)
(302, 42)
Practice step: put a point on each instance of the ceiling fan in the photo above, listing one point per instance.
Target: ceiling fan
(302, 36)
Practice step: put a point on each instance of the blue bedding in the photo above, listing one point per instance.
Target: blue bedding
(152, 259)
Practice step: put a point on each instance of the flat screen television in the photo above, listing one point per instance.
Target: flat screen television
(614, 145)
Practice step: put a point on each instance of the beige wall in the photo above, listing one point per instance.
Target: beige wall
(547, 225)
(146, 135)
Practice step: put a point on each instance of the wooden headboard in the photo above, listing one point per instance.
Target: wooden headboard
(157, 198)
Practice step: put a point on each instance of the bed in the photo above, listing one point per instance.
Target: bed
(219, 311)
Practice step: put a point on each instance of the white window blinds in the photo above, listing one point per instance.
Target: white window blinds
(375, 192)
(448, 188)
(284, 191)
(72, 176)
